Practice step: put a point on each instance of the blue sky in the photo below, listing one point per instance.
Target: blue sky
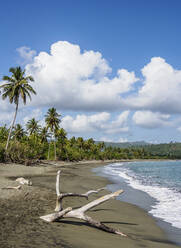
(85, 86)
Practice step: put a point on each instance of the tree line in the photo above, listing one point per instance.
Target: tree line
(35, 142)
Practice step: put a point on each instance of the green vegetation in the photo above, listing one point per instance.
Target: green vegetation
(165, 151)
(36, 142)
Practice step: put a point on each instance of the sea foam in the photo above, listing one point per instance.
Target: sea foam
(168, 201)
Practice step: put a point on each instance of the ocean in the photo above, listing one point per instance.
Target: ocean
(152, 185)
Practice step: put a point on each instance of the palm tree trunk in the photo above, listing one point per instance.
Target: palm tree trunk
(55, 154)
(49, 150)
(11, 128)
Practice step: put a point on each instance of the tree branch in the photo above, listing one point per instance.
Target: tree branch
(79, 213)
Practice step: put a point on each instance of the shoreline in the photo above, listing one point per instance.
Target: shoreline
(141, 199)
(76, 177)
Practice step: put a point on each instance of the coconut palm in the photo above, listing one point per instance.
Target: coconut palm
(80, 142)
(72, 141)
(17, 87)
(61, 135)
(33, 127)
(52, 120)
(19, 132)
(44, 135)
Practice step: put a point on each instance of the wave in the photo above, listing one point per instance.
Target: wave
(168, 201)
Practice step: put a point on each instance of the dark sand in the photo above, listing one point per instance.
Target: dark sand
(20, 226)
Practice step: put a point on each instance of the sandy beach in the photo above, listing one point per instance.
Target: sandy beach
(20, 211)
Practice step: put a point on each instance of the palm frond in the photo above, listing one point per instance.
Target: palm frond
(29, 78)
(9, 79)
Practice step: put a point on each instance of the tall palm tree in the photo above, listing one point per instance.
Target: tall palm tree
(52, 119)
(17, 87)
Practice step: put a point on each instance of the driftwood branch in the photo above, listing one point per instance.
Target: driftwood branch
(55, 216)
(79, 213)
(100, 225)
(60, 196)
(11, 187)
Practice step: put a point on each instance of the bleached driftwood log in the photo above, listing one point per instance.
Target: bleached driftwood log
(79, 213)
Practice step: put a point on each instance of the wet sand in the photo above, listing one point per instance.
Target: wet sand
(21, 227)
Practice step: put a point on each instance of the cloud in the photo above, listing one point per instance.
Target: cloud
(6, 111)
(148, 119)
(35, 113)
(122, 140)
(119, 125)
(161, 88)
(70, 79)
(107, 139)
(26, 54)
(84, 123)
(6, 117)
(179, 129)
(97, 123)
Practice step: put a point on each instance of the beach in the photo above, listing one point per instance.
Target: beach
(20, 211)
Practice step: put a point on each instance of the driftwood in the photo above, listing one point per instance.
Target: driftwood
(79, 213)
(11, 187)
(22, 180)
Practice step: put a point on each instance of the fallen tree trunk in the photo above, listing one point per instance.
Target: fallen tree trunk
(79, 213)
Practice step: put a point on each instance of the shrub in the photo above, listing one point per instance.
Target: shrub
(2, 154)
(23, 152)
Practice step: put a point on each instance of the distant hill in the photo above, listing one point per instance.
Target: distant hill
(125, 144)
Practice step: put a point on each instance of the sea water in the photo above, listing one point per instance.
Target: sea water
(152, 185)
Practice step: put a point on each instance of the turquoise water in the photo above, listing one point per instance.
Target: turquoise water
(161, 180)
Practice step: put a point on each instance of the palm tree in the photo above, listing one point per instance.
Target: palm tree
(17, 87)
(19, 132)
(44, 135)
(33, 127)
(80, 142)
(61, 136)
(72, 141)
(52, 122)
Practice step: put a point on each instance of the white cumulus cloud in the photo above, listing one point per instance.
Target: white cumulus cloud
(71, 79)
(148, 119)
(161, 88)
(96, 123)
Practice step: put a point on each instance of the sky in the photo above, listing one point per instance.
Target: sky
(110, 68)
